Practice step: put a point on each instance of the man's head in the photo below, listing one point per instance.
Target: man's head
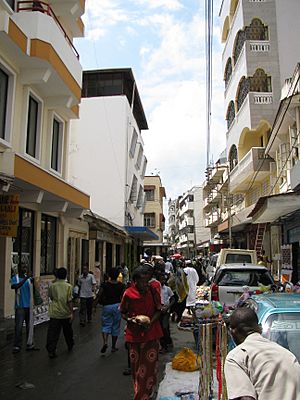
(85, 270)
(141, 278)
(243, 322)
(61, 273)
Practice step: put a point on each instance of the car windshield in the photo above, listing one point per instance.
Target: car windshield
(284, 329)
(238, 258)
(244, 278)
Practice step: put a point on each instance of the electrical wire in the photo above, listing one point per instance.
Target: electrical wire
(208, 49)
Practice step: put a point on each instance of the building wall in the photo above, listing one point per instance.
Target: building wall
(103, 135)
(155, 206)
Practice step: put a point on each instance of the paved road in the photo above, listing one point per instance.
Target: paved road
(81, 375)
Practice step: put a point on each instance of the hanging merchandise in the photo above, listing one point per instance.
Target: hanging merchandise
(210, 333)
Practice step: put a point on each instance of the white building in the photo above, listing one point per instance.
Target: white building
(261, 49)
(107, 150)
(191, 227)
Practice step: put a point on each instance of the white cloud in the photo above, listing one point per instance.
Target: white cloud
(168, 4)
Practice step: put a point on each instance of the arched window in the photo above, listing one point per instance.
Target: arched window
(228, 72)
(238, 45)
(225, 29)
(260, 82)
(233, 157)
(243, 90)
(230, 114)
(233, 7)
(257, 30)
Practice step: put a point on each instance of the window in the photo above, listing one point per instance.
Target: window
(149, 194)
(3, 102)
(11, 3)
(133, 143)
(23, 244)
(139, 158)
(6, 99)
(48, 244)
(144, 167)
(33, 122)
(149, 220)
(57, 144)
(140, 199)
(133, 192)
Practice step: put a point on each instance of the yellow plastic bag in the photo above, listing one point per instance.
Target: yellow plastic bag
(185, 360)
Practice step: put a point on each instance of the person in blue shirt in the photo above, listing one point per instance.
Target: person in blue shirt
(22, 284)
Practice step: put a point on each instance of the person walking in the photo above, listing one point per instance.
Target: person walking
(87, 284)
(125, 273)
(22, 284)
(264, 370)
(60, 313)
(167, 299)
(109, 295)
(141, 307)
(192, 281)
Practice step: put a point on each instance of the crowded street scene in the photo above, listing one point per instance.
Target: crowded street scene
(150, 200)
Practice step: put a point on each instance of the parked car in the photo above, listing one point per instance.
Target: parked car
(228, 281)
(279, 315)
(236, 256)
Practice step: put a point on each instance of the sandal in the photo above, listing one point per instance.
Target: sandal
(104, 348)
(114, 349)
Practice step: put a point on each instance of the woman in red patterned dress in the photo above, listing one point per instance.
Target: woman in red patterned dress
(140, 301)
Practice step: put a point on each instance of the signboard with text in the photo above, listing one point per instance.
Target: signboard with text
(9, 214)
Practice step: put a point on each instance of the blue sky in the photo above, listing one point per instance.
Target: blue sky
(163, 41)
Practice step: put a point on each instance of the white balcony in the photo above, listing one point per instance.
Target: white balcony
(295, 176)
(242, 174)
(44, 55)
(256, 107)
(212, 219)
(186, 207)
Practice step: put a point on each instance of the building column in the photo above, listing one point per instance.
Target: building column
(7, 295)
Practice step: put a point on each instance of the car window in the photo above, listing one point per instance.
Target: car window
(244, 278)
(284, 329)
(238, 258)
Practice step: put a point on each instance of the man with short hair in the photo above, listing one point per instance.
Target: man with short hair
(60, 313)
(23, 286)
(258, 369)
(87, 284)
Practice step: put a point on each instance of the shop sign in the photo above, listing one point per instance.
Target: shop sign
(9, 214)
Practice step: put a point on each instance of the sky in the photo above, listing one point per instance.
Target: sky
(163, 41)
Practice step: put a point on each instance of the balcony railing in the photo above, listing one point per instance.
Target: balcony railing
(45, 8)
(259, 46)
(253, 161)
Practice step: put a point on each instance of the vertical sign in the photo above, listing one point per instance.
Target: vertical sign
(9, 214)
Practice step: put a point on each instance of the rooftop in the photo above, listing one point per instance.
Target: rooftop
(115, 82)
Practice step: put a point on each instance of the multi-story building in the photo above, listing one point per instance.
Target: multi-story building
(281, 209)
(154, 214)
(190, 222)
(172, 228)
(256, 62)
(107, 156)
(40, 91)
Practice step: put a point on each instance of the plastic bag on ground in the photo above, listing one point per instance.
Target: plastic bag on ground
(185, 360)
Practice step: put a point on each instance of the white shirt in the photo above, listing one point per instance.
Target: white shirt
(86, 285)
(263, 370)
(192, 280)
(166, 294)
(169, 267)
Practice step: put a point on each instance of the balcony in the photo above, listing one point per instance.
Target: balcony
(212, 219)
(242, 174)
(257, 106)
(186, 207)
(44, 55)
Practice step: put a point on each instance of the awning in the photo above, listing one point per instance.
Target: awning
(141, 232)
(271, 208)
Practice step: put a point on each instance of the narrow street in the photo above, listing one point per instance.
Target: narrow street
(83, 374)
